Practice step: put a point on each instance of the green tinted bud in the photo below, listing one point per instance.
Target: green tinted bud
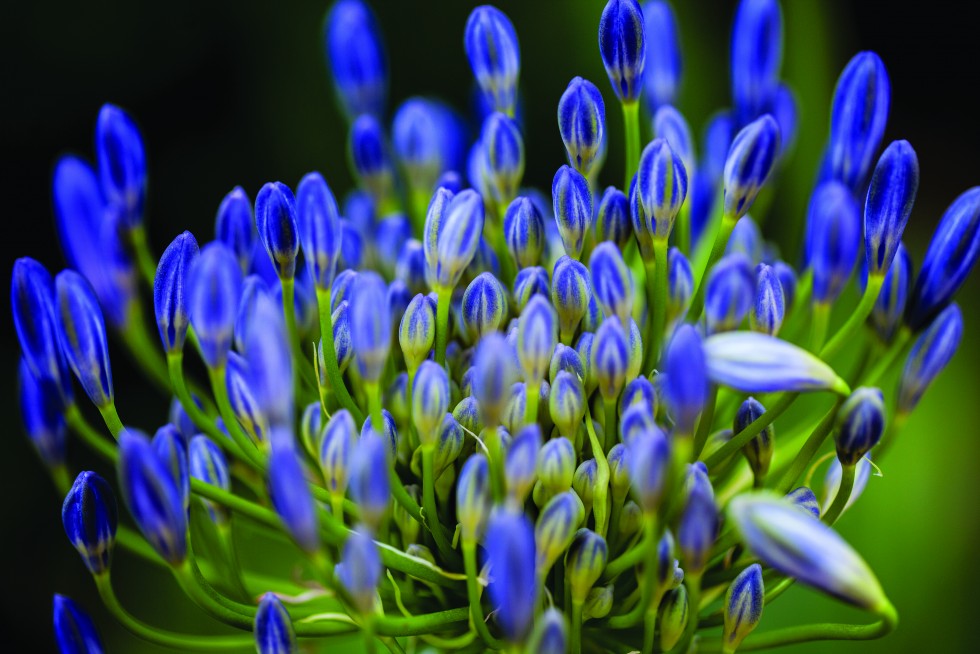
(566, 403)
(556, 465)
(417, 330)
(758, 451)
(583, 483)
(673, 617)
(619, 475)
(598, 603)
(467, 414)
(586, 559)
(630, 520)
(420, 552)
(555, 528)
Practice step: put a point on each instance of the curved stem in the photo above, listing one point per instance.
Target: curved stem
(631, 131)
(144, 350)
(161, 637)
(857, 317)
(111, 418)
(206, 598)
(337, 384)
(820, 320)
(809, 449)
(843, 494)
(473, 596)
(887, 361)
(600, 504)
(175, 366)
(145, 260)
(89, 435)
(649, 581)
(432, 522)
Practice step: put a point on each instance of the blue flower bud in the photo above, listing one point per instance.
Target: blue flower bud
(611, 281)
(537, 334)
(274, 633)
(570, 293)
(566, 359)
(514, 581)
(494, 55)
(929, 355)
(567, 403)
(556, 464)
(661, 185)
(83, 336)
(759, 363)
(805, 500)
(520, 463)
(860, 423)
(699, 521)
(857, 119)
(351, 247)
(291, 498)
(275, 218)
(235, 227)
(750, 160)
(453, 227)
(610, 357)
(495, 371)
(427, 140)
(370, 157)
(74, 630)
(799, 545)
(214, 286)
(171, 448)
(583, 346)
(556, 527)
(572, 201)
(370, 325)
(410, 267)
(32, 302)
(90, 518)
(360, 570)
(757, 56)
(270, 364)
(758, 451)
(612, 221)
(890, 198)
(356, 57)
(669, 124)
(550, 634)
(680, 284)
(639, 392)
(207, 463)
(524, 232)
(662, 69)
(42, 413)
(153, 497)
(586, 559)
(178, 417)
(122, 163)
(310, 426)
(743, 606)
(674, 614)
(503, 150)
(619, 475)
(484, 307)
(641, 221)
(730, 293)
(170, 291)
(622, 45)
(581, 123)
(528, 283)
(449, 443)
(746, 239)
(635, 420)
(249, 413)
(334, 453)
(368, 478)
(473, 497)
(649, 464)
(953, 250)
(417, 331)
(886, 316)
(430, 400)
(687, 367)
(319, 228)
(787, 280)
(769, 307)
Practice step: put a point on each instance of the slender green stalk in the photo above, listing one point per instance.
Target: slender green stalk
(648, 583)
(575, 636)
(111, 418)
(751, 430)
(175, 366)
(337, 385)
(857, 317)
(631, 131)
(144, 349)
(498, 485)
(443, 298)
(600, 501)
(705, 422)
(809, 449)
(896, 350)
(717, 249)
(843, 494)
(208, 601)
(693, 583)
(609, 428)
(432, 521)
(89, 435)
(631, 557)
(473, 596)
(820, 321)
(532, 394)
(658, 310)
(145, 260)
(203, 643)
(683, 226)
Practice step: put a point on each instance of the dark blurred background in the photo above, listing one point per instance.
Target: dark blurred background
(237, 93)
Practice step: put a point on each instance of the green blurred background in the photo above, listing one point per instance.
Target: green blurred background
(236, 93)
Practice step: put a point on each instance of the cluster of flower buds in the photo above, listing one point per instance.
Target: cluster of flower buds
(484, 420)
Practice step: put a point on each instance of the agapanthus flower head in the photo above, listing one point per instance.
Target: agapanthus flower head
(622, 44)
(42, 413)
(557, 523)
(235, 227)
(833, 237)
(931, 353)
(663, 67)
(572, 200)
(857, 119)
(207, 463)
(798, 545)
(952, 253)
(751, 158)
(360, 570)
(581, 123)
(757, 56)
(612, 222)
(484, 307)
(503, 150)
(74, 630)
(292, 499)
(214, 291)
(730, 293)
(661, 184)
(743, 605)
(524, 232)
(152, 496)
(170, 291)
(510, 549)
(356, 58)
(83, 336)
(274, 633)
(686, 366)
(890, 197)
(860, 422)
(90, 518)
(34, 305)
(769, 307)
(537, 335)
(495, 57)
(122, 163)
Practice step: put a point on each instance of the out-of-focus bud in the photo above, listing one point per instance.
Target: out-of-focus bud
(743, 606)
(494, 372)
(274, 633)
(758, 451)
(235, 227)
(369, 486)
(292, 499)
(356, 58)
(360, 570)
(556, 465)
(610, 358)
(890, 198)
(370, 325)
(335, 447)
(430, 401)
(319, 228)
(83, 337)
(612, 221)
(122, 163)
(371, 158)
(494, 55)
(473, 497)
(520, 464)
(931, 353)
(556, 526)
(769, 307)
(427, 141)
(246, 408)
(207, 463)
(860, 422)
(582, 123)
(170, 291)
(787, 279)
(893, 298)
(90, 518)
(550, 633)
(514, 582)
(275, 218)
(572, 200)
(43, 417)
(537, 334)
(673, 617)
(566, 359)
(566, 403)
(502, 147)
(805, 500)
(730, 292)
(171, 448)
(622, 45)
(680, 285)
(74, 630)
(699, 522)
(757, 56)
(528, 283)
(750, 160)
(586, 559)
(662, 70)
(270, 364)
(584, 483)
(687, 369)
(649, 461)
(612, 284)
(524, 232)
(214, 290)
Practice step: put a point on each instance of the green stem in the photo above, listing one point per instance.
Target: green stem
(175, 366)
(609, 426)
(818, 332)
(843, 493)
(143, 349)
(162, 637)
(498, 485)
(337, 384)
(443, 298)
(575, 636)
(200, 595)
(809, 449)
(473, 596)
(625, 561)
(631, 131)
(857, 317)
(705, 423)
(887, 361)
(658, 311)
(89, 435)
(432, 522)
(600, 503)
(532, 394)
(683, 227)
(717, 249)
(111, 418)
(751, 430)
(649, 580)
(145, 260)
